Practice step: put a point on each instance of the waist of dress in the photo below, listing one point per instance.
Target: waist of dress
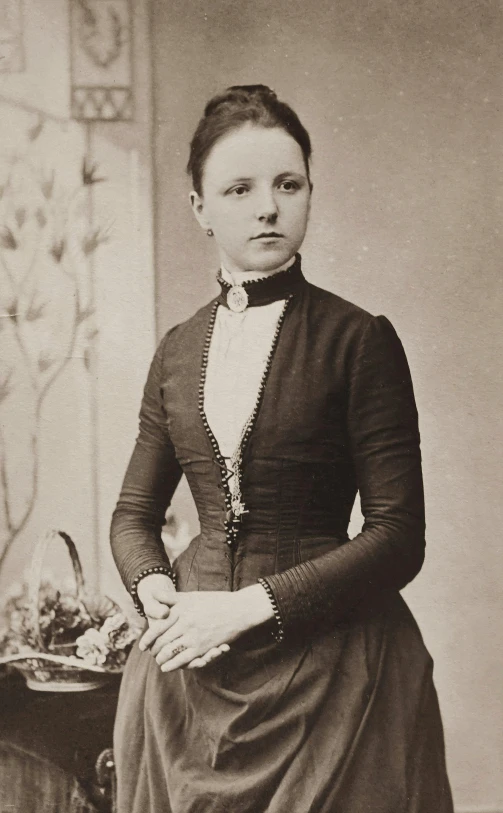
(287, 522)
(209, 563)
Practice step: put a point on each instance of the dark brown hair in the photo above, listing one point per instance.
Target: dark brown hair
(236, 106)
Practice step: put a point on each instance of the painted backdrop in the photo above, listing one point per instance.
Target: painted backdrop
(76, 271)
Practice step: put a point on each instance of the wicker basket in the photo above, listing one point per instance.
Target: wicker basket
(58, 669)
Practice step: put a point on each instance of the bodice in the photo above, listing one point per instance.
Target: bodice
(336, 413)
(298, 479)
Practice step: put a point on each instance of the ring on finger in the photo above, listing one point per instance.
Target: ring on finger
(177, 649)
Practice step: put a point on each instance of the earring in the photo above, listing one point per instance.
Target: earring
(209, 232)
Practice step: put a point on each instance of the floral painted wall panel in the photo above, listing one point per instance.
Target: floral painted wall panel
(11, 36)
(89, 415)
(47, 332)
(101, 60)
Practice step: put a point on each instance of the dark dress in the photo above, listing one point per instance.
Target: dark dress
(341, 716)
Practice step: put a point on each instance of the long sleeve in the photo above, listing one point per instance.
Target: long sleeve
(151, 478)
(383, 435)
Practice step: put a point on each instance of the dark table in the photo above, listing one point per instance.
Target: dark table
(49, 745)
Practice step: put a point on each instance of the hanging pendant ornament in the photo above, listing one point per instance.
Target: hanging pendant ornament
(238, 507)
(237, 299)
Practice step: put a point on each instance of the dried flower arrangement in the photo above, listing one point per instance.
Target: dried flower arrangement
(98, 632)
(63, 640)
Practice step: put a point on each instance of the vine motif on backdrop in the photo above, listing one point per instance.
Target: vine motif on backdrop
(47, 324)
(101, 60)
(11, 36)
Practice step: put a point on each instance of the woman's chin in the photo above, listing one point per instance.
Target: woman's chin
(269, 255)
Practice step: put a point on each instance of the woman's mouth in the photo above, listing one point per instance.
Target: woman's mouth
(270, 235)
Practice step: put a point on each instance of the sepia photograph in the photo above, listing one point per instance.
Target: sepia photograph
(251, 404)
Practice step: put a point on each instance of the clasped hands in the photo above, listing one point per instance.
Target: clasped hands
(189, 630)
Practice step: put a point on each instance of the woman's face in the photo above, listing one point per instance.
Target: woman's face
(256, 198)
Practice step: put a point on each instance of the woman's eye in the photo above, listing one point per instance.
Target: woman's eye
(238, 190)
(289, 186)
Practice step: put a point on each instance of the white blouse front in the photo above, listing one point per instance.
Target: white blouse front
(240, 346)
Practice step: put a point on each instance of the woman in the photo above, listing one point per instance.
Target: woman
(283, 672)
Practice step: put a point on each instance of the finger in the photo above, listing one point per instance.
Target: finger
(148, 638)
(180, 660)
(166, 639)
(210, 656)
(164, 595)
(170, 651)
(154, 609)
(213, 653)
(155, 630)
(197, 663)
(157, 626)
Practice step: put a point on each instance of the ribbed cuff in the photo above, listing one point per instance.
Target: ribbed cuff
(135, 558)
(279, 633)
(296, 595)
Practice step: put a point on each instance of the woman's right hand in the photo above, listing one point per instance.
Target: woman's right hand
(153, 591)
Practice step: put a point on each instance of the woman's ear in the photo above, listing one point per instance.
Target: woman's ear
(197, 204)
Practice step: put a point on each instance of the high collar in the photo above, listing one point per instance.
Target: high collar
(265, 290)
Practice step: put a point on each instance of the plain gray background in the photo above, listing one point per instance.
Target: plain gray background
(402, 100)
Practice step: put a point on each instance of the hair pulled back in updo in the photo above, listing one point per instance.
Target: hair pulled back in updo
(236, 106)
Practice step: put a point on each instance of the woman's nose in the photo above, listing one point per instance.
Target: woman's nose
(267, 208)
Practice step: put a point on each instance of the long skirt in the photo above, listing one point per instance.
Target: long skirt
(346, 721)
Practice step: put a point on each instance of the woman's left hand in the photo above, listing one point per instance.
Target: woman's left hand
(199, 622)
